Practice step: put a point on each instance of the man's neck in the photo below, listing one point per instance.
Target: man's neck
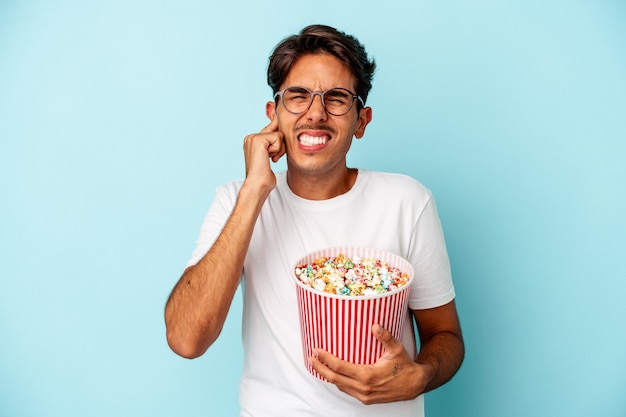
(316, 187)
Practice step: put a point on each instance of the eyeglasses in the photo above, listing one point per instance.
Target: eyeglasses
(336, 101)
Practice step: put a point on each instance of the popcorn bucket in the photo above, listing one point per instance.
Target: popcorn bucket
(342, 324)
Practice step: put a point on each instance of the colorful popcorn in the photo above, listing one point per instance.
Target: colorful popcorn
(342, 275)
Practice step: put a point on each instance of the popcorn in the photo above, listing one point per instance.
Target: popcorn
(354, 277)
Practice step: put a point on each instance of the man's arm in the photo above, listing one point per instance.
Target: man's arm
(442, 348)
(198, 305)
(396, 376)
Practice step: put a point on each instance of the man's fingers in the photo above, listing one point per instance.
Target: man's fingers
(271, 127)
(276, 148)
(385, 337)
(336, 365)
(278, 154)
(332, 368)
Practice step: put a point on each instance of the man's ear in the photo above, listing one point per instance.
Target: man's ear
(270, 109)
(365, 116)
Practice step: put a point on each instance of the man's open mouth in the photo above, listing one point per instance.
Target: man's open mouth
(308, 140)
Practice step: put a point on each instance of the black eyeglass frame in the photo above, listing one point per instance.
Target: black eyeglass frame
(321, 94)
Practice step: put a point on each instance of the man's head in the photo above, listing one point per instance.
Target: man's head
(318, 39)
(318, 131)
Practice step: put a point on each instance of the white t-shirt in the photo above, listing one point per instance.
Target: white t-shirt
(392, 212)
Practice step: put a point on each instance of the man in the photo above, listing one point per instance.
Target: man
(256, 229)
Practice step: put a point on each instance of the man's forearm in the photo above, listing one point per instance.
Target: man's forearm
(199, 303)
(442, 354)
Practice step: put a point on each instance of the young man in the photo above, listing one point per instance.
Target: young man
(256, 230)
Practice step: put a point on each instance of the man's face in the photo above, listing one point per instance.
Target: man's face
(316, 141)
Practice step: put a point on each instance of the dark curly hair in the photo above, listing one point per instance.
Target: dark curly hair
(317, 39)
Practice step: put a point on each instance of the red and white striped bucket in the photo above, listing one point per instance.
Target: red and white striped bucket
(342, 325)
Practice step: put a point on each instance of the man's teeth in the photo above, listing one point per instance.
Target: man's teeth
(312, 140)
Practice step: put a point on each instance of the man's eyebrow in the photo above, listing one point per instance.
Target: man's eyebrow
(338, 92)
(298, 89)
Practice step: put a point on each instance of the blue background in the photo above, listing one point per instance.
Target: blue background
(118, 119)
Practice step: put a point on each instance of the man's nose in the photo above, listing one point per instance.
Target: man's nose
(317, 110)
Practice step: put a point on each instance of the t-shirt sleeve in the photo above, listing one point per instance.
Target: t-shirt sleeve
(432, 285)
(214, 220)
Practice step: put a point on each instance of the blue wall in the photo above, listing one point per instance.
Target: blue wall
(119, 118)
